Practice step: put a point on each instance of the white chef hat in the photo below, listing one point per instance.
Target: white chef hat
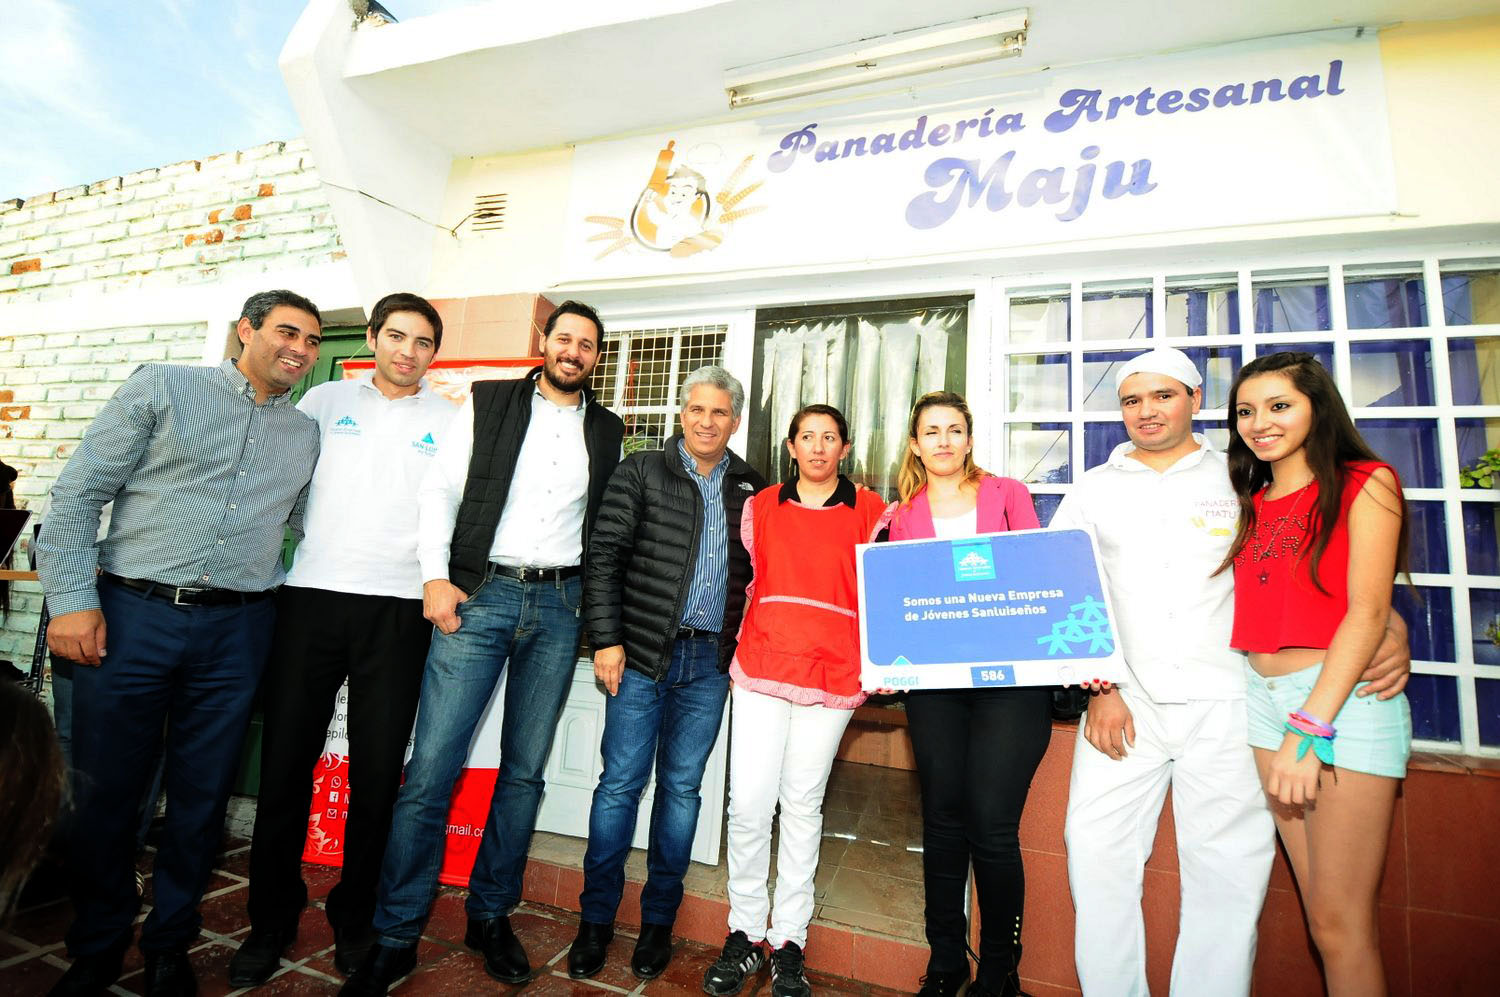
(1163, 360)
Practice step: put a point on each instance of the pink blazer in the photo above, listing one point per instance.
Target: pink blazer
(1004, 504)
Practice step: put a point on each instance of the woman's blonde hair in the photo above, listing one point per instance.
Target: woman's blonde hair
(912, 477)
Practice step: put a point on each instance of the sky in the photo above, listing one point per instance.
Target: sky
(92, 89)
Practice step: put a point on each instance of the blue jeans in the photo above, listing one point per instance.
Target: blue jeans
(532, 626)
(675, 721)
(188, 671)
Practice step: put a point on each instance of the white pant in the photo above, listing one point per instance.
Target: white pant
(778, 751)
(1225, 842)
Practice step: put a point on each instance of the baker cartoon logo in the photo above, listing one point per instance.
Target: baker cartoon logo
(675, 213)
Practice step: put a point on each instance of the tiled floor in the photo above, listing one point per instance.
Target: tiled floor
(869, 878)
(870, 869)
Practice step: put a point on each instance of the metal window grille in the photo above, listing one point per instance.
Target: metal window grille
(640, 372)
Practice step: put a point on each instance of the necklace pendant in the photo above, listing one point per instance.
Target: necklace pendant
(1265, 576)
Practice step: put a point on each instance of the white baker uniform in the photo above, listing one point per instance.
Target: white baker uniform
(1161, 536)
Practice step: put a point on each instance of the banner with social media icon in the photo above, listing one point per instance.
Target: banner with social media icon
(1023, 608)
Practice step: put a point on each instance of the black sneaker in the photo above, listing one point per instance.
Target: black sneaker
(740, 958)
(786, 972)
(943, 984)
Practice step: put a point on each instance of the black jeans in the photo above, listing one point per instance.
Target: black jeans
(976, 751)
(380, 644)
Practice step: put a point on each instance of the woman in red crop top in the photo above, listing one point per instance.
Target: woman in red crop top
(1322, 536)
(796, 684)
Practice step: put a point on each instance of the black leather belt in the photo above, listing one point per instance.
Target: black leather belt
(693, 633)
(188, 596)
(535, 574)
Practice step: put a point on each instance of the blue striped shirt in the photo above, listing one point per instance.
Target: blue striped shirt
(203, 479)
(709, 587)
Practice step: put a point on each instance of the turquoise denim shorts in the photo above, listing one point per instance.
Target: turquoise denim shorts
(1374, 736)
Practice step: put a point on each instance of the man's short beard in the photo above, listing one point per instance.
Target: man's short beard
(555, 380)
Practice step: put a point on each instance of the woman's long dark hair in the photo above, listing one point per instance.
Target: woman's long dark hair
(33, 786)
(817, 408)
(1332, 442)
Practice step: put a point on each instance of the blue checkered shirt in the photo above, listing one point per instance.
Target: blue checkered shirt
(204, 482)
(704, 606)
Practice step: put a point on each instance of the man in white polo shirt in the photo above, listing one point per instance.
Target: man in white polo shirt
(351, 608)
(1164, 514)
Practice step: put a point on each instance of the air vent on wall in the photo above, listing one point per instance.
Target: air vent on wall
(489, 212)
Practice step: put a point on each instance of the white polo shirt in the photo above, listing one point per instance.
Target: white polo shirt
(1161, 536)
(362, 506)
(541, 525)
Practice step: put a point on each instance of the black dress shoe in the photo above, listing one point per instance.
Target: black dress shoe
(169, 974)
(350, 946)
(504, 957)
(382, 966)
(91, 975)
(653, 950)
(590, 948)
(259, 956)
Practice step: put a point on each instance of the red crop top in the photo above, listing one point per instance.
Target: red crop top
(1276, 604)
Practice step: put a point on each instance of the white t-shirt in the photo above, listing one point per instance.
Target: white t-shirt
(965, 524)
(361, 527)
(1161, 536)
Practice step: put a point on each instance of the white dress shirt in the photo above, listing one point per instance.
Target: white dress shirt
(541, 525)
(361, 526)
(1161, 536)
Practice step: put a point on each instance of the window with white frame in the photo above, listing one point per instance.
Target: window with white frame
(641, 370)
(1414, 346)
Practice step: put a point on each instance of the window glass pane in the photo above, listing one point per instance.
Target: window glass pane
(869, 359)
(1475, 438)
(602, 380)
(1429, 620)
(1323, 351)
(1408, 445)
(1203, 310)
(1039, 452)
(1040, 318)
(1481, 520)
(646, 430)
(1215, 432)
(1218, 365)
(1429, 538)
(1434, 707)
(1291, 305)
(1475, 368)
(648, 368)
(1039, 382)
(1099, 371)
(1117, 314)
(1471, 297)
(1484, 612)
(1393, 301)
(1046, 506)
(1100, 440)
(1487, 692)
(1391, 373)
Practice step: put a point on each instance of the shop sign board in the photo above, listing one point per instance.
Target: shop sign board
(1273, 130)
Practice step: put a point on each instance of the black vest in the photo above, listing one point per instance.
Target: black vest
(502, 412)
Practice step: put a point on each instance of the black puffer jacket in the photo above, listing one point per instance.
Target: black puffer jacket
(641, 555)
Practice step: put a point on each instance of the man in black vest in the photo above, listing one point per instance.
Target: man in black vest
(666, 588)
(503, 516)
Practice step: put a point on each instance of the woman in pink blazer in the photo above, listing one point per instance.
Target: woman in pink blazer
(976, 749)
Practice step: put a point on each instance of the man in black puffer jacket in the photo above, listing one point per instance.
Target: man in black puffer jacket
(664, 589)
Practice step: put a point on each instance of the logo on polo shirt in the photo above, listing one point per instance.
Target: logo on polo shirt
(345, 427)
(426, 444)
(973, 562)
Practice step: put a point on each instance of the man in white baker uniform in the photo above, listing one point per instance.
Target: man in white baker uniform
(1164, 514)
